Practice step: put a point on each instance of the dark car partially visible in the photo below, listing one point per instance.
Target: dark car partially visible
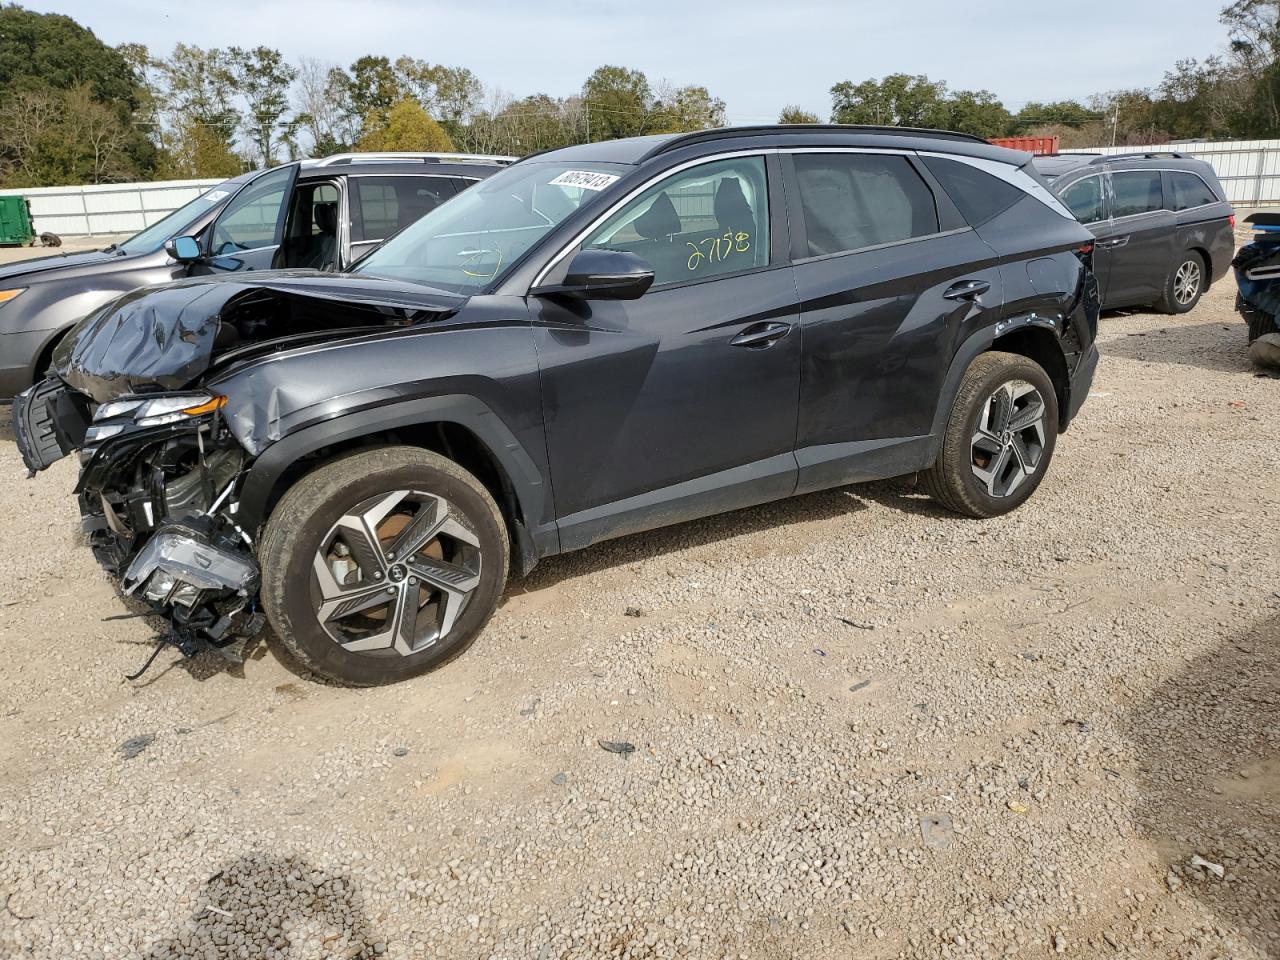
(322, 213)
(1164, 228)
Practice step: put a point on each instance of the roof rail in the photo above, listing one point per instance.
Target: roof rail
(391, 157)
(721, 133)
(1148, 155)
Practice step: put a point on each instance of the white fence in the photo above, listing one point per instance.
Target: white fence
(108, 208)
(1249, 169)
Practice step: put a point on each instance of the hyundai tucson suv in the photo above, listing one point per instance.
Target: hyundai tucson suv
(317, 213)
(1164, 228)
(595, 341)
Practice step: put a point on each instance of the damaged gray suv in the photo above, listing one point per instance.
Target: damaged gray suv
(592, 342)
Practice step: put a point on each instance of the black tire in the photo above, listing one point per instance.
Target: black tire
(952, 480)
(304, 518)
(1174, 299)
(1259, 322)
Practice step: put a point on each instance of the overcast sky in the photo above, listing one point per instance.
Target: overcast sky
(755, 55)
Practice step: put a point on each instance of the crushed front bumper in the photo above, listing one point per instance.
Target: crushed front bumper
(206, 589)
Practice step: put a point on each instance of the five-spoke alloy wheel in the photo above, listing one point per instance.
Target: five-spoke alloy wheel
(382, 564)
(1185, 284)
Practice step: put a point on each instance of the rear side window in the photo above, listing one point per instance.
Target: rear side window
(856, 200)
(1190, 191)
(977, 195)
(383, 205)
(1136, 191)
(1084, 199)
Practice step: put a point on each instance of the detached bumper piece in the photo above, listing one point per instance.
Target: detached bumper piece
(205, 588)
(49, 421)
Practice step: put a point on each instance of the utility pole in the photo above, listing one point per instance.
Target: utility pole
(1115, 123)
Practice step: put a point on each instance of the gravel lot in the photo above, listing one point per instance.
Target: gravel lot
(863, 728)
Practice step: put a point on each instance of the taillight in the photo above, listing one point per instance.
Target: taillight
(1231, 220)
(1085, 248)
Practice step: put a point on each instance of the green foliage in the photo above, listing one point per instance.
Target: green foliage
(406, 127)
(263, 79)
(794, 114)
(685, 109)
(899, 100)
(42, 51)
(618, 102)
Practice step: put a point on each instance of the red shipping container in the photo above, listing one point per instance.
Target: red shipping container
(1042, 146)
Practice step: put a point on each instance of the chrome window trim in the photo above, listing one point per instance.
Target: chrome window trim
(954, 231)
(635, 192)
(1014, 176)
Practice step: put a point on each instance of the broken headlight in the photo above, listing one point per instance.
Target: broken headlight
(154, 411)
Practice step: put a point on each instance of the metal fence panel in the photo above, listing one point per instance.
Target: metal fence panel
(109, 208)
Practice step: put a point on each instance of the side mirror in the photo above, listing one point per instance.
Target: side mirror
(183, 249)
(603, 275)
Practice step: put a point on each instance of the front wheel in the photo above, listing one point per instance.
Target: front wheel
(999, 438)
(382, 565)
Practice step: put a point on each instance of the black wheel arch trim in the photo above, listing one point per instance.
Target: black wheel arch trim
(979, 342)
(521, 473)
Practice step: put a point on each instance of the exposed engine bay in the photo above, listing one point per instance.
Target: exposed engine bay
(161, 464)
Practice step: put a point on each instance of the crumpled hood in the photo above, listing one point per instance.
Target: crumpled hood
(165, 337)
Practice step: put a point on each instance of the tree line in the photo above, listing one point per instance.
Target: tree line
(75, 110)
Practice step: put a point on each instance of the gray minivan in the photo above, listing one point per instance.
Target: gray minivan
(1164, 228)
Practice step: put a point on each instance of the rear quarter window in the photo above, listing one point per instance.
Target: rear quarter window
(1189, 191)
(977, 195)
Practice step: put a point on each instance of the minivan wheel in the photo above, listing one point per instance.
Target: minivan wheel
(999, 438)
(1185, 285)
(382, 565)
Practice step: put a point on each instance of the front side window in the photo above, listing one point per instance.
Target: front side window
(707, 221)
(1190, 191)
(856, 200)
(382, 206)
(179, 221)
(1136, 191)
(1084, 199)
(470, 242)
(253, 218)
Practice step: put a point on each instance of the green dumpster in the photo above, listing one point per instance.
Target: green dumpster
(15, 222)
(15, 225)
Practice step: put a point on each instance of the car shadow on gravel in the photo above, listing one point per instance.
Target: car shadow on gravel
(711, 530)
(261, 905)
(1215, 346)
(6, 423)
(1209, 779)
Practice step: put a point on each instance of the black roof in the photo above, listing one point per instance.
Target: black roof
(635, 150)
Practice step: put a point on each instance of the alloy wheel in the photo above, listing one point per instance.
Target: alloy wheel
(393, 575)
(1008, 444)
(1186, 282)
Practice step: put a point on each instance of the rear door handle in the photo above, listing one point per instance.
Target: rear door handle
(967, 290)
(761, 335)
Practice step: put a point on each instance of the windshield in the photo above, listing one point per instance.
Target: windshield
(176, 223)
(467, 243)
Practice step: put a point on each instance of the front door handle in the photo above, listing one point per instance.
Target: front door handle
(967, 290)
(1115, 242)
(761, 335)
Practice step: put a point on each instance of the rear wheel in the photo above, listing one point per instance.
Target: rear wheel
(999, 439)
(382, 565)
(1185, 285)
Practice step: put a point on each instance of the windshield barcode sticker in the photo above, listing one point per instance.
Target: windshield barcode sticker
(585, 179)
